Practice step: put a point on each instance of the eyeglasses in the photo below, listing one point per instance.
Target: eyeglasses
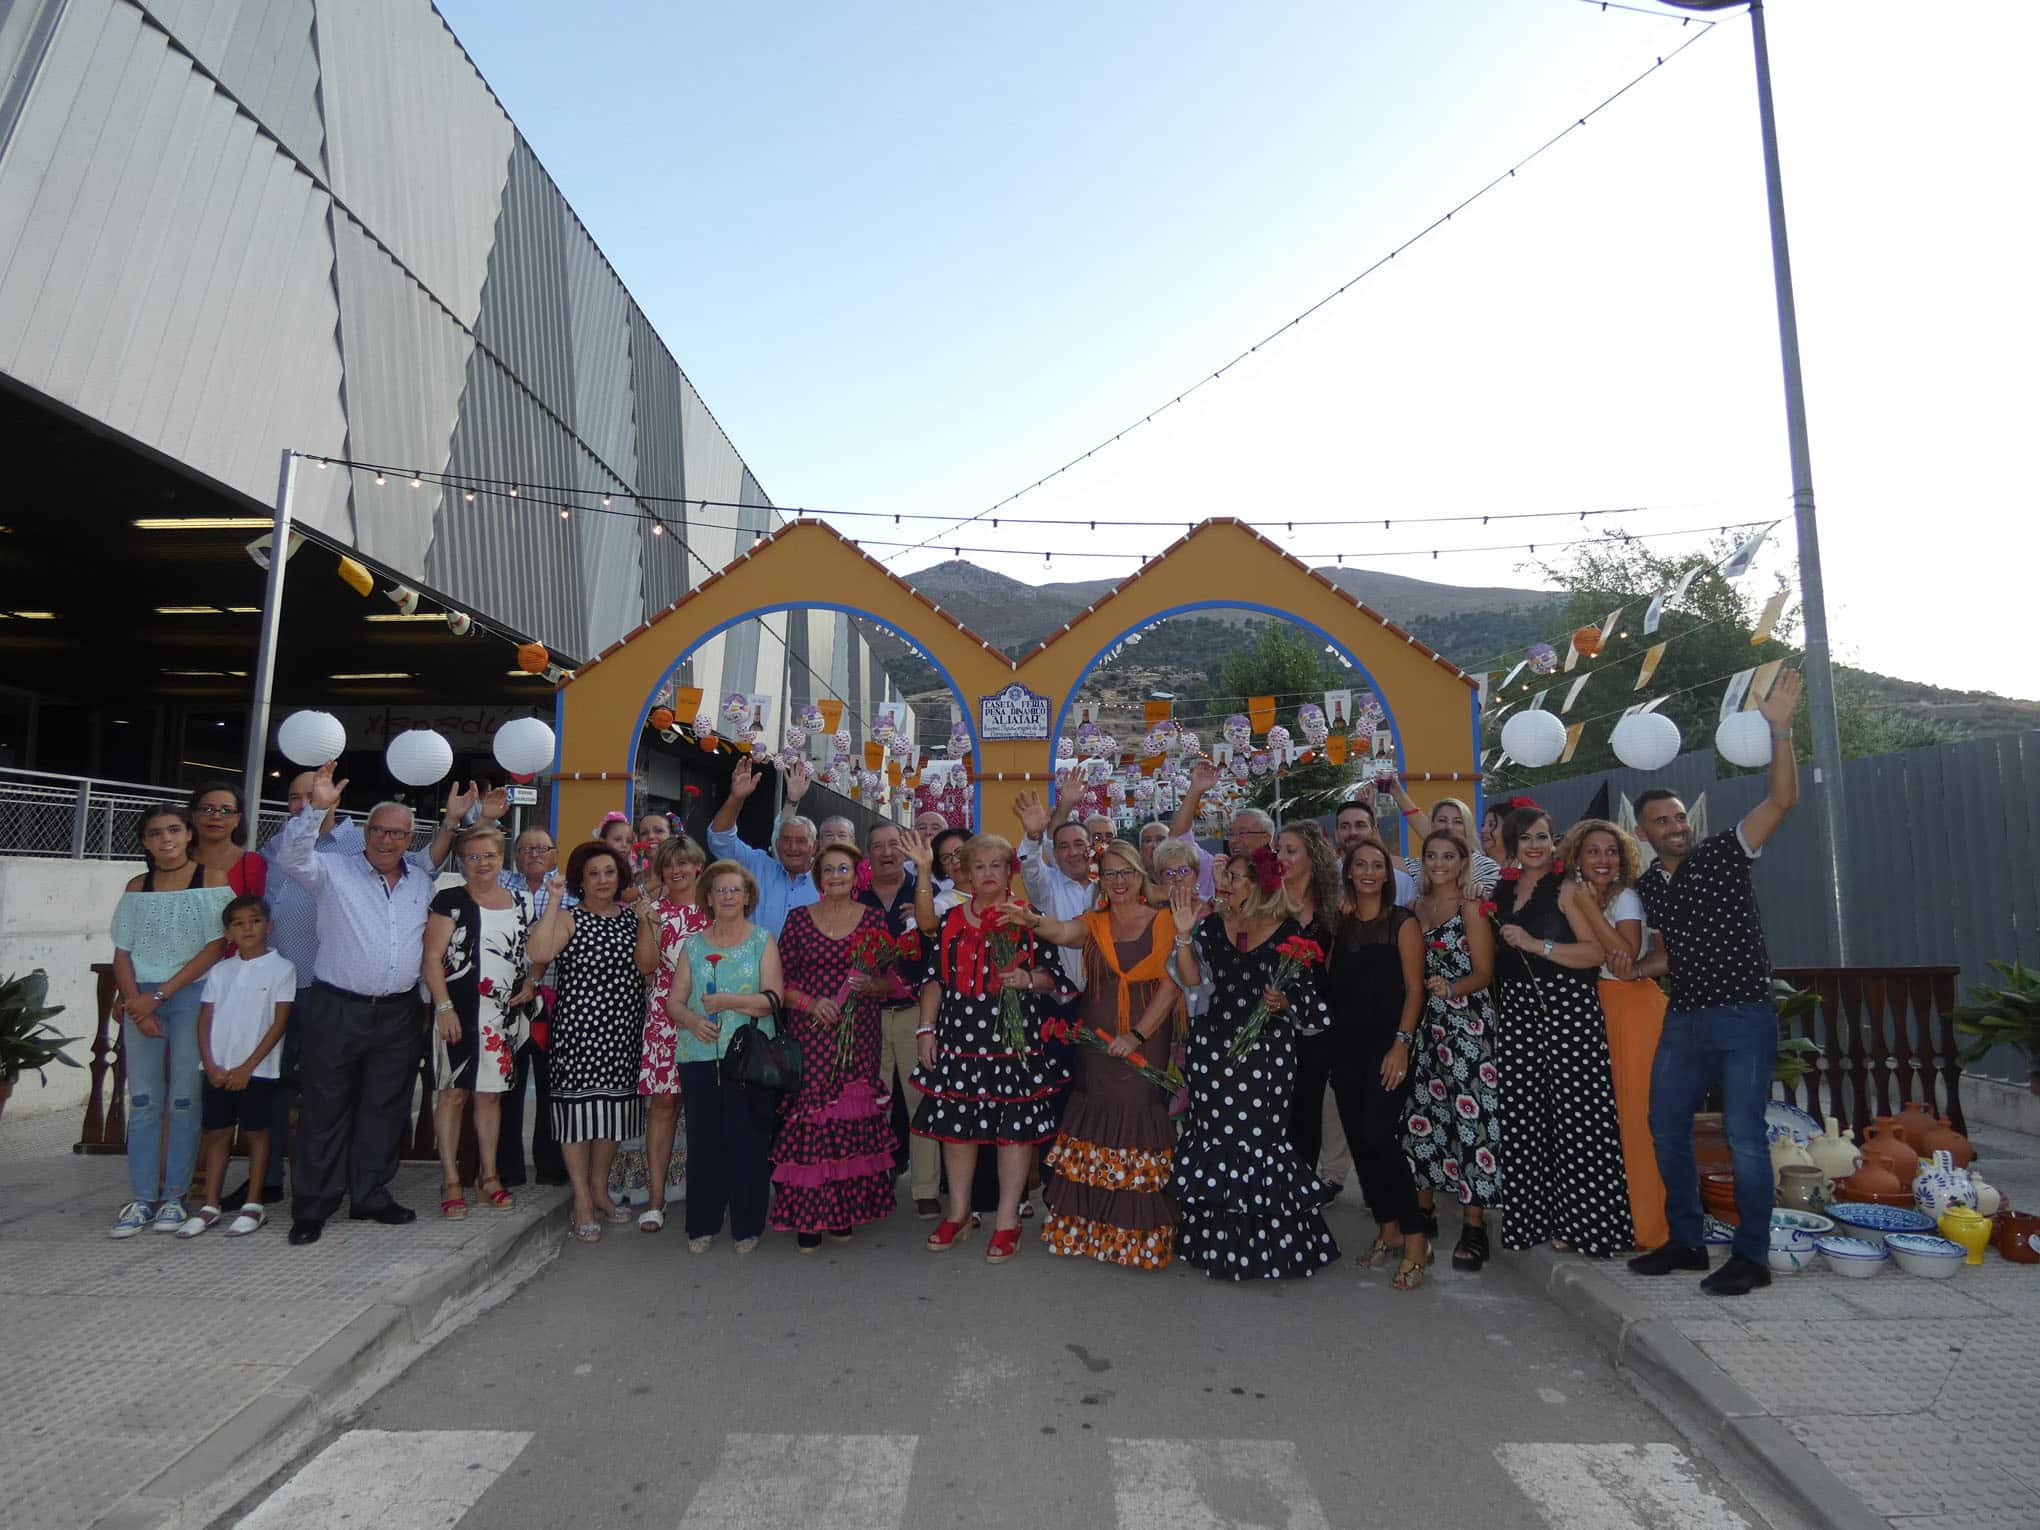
(838, 869)
(1177, 873)
(386, 832)
(1251, 834)
(215, 810)
(481, 857)
(1120, 874)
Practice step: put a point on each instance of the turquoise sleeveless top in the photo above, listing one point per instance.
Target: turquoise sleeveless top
(734, 971)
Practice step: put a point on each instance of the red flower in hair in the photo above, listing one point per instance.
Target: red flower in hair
(1267, 869)
(1558, 865)
(1511, 873)
(1521, 802)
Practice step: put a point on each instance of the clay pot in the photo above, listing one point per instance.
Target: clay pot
(1884, 1146)
(1871, 1180)
(1835, 1153)
(1945, 1139)
(2014, 1234)
(1914, 1121)
(1717, 1195)
(1710, 1141)
(1802, 1187)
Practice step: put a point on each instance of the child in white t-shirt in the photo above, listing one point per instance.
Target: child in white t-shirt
(241, 1018)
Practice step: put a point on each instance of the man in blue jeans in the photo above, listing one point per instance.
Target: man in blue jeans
(1721, 1031)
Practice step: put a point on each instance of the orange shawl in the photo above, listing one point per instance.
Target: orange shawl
(1101, 955)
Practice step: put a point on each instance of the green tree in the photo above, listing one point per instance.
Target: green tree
(1285, 661)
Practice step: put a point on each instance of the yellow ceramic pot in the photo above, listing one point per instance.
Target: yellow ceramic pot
(1971, 1229)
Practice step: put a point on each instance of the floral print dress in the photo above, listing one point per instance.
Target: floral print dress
(1452, 1131)
(484, 965)
(658, 1068)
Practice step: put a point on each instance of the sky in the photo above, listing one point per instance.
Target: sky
(916, 256)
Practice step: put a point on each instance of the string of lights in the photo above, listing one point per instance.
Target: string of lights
(1423, 233)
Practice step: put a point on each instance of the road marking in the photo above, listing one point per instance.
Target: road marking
(1552, 1395)
(417, 1480)
(1212, 1485)
(1616, 1487)
(784, 1481)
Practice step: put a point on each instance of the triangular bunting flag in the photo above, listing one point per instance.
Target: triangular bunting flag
(1740, 560)
(1572, 656)
(1761, 682)
(1512, 674)
(1654, 703)
(1738, 687)
(1608, 625)
(1655, 610)
(1573, 693)
(1572, 741)
(1650, 664)
(1537, 701)
(1261, 713)
(1769, 619)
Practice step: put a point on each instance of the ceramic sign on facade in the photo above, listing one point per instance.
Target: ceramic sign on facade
(1013, 713)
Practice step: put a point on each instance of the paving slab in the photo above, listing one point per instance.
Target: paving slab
(1893, 1401)
(139, 1372)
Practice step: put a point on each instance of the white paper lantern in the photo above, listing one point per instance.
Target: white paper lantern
(1535, 739)
(524, 745)
(311, 738)
(1744, 738)
(1645, 741)
(419, 757)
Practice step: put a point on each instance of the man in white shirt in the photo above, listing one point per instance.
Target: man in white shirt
(1055, 868)
(1354, 822)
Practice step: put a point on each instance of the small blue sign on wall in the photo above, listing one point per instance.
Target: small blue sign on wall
(1014, 713)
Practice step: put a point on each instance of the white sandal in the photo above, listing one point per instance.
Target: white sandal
(250, 1220)
(199, 1221)
(651, 1220)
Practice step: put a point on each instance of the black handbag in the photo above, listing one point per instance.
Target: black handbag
(762, 1061)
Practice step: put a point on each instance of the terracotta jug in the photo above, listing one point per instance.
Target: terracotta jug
(1945, 1139)
(1883, 1146)
(1871, 1180)
(1834, 1154)
(1802, 1187)
(1914, 1121)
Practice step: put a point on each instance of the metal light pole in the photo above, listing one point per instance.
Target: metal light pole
(1820, 683)
(265, 652)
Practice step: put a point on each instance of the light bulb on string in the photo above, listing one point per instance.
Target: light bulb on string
(605, 501)
(417, 482)
(470, 496)
(380, 480)
(563, 515)
(513, 491)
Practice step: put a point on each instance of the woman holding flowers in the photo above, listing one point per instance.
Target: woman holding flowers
(985, 1076)
(1452, 1133)
(832, 1155)
(1246, 1200)
(1112, 1154)
(1562, 1142)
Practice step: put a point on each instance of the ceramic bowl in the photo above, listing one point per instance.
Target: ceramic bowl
(1792, 1238)
(1874, 1223)
(1714, 1230)
(1853, 1257)
(1921, 1254)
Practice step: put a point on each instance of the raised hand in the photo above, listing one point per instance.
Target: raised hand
(1783, 701)
(799, 777)
(459, 800)
(495, 803)
(920, 849)
(1183, 904)
(325, 792)
(743, 780)
(1032, 813)
(1203, 776)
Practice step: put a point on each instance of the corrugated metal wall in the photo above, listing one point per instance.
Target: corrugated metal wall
(382, 271)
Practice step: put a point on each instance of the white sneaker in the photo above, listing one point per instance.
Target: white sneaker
(169, 1217)
(132, 1218)
(199, 1221)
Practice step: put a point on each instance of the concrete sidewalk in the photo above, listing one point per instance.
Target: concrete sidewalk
(140, 1373)
(1893, 1403)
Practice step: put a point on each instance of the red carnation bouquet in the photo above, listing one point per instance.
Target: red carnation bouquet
(1296, 953)
(1166, 1077)
(1009, 950)
(871, 952)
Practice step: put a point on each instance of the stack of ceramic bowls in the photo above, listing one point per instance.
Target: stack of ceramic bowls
(1793, 1235)
(1852, 1257)
(1873, 1224)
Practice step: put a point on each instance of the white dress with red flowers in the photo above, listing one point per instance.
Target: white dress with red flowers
(657, 1071)
(484, 965)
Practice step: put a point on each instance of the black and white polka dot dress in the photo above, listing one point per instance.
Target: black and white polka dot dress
(598, 1031)
(1561, 1140)
(1248, 1202)
(980, 1089)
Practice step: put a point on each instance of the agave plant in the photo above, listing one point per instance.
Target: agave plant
(26, 1041)
(1796, 1050)
(2003, 1017)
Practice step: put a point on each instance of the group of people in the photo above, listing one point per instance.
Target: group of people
(1157, 1035)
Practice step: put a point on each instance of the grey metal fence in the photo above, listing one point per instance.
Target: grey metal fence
(1947, 843)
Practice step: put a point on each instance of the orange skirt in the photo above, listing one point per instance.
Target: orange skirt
(1635, 1013)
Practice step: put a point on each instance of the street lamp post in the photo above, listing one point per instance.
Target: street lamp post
(1820, 683)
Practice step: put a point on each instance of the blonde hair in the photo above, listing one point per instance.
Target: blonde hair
(481, 831)
(1129, 856)
(980, 844)
(1171, 852)
(1465, 813)
(1253, 903)
(1631, 858)
(1457, 842)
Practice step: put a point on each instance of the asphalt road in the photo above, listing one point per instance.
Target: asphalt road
(877, 1385)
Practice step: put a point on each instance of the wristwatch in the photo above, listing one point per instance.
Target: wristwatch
(1548, 945)
(440, 1009)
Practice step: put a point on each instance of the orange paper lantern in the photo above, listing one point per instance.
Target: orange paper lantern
(661, 719)
(532, 658)
(1587, 642)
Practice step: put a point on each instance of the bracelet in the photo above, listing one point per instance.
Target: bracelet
(1777, 735)
(440, 1009)
(926, 1030)
(1411, 812)
(1184, 940)
(1403, 1036)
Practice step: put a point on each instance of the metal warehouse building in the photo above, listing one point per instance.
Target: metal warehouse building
(231, 227)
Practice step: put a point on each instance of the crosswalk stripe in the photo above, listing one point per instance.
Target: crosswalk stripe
(1212, 1485)
(801, 1481)
(1616, 1487)
(415, 1480)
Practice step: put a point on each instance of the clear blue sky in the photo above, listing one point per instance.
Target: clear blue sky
(916, 255)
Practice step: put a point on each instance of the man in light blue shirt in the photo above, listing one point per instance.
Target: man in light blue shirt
(786, 878)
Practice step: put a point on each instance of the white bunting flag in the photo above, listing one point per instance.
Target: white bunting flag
(1573, 693)
(1740, 560)
(1572, 656)
(1738, 687)
(1650, 664)
(1537, 701)
(1512, 674)
(1608, 625)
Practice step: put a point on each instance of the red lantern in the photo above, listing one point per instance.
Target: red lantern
(532, 658)
(1587, 642)
(661, 719)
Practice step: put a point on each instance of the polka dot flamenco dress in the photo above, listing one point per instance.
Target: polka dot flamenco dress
(1561, 1140)
(980, 1089)
(832, 1154)
(1247, 1202)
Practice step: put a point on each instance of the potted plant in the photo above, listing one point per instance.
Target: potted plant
(1796, 1050)
(26, 1041)
(2004, 1017)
